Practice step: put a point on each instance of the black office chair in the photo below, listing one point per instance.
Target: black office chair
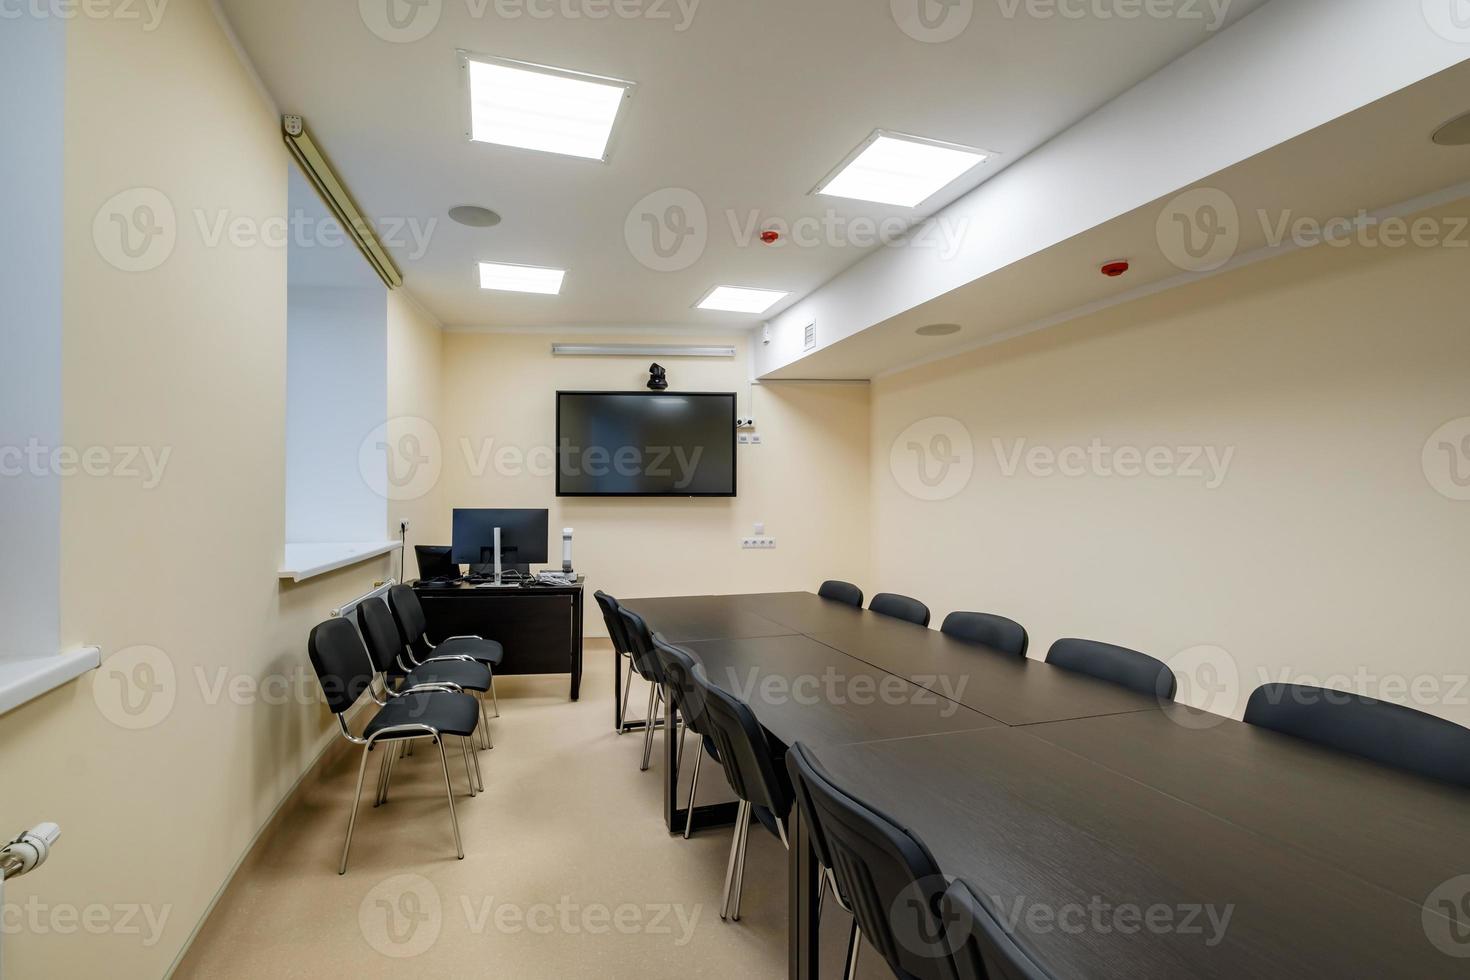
(345, 671)
(390, 656)
(842, 592)
(888, 876)
(986, 629)
(900, 607)
(678, 668)
(645, 662)
(1119, 665)
(1391, 734)
(413, 625)
(615, 632)
(823, 852)
(984, 949)
(754, 772)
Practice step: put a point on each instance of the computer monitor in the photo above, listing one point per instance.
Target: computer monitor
(523, 536)
(435, 562)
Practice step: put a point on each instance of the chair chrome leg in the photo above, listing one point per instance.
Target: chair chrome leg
(693, 788)
(469, 775)
(648, 731)
(627, 689)
(740, 864)
(781, 830)
(821, 893)
(475, 758)
(854, 943)
(493, 696)
(453, 820)
(382, 776)
(734, 853)
(352, 820)
(485, 737)
(390, 759)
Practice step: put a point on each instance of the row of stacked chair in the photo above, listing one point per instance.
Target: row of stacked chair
(422, 691)
(869, 862)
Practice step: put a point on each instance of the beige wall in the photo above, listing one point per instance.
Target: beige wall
(189, 357)
(807, 481)
(1325, 551)
(415, 362)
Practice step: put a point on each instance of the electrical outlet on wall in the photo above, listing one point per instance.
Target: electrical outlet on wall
(743, 439)
(755, 439)
(758, 544)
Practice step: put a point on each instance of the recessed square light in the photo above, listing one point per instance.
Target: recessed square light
(539, 108)
(890, 168)
(521, 278)
(741, 299)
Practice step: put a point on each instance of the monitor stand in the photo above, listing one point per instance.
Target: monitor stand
(499, 581)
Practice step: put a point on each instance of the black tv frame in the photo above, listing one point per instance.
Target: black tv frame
(734, 456)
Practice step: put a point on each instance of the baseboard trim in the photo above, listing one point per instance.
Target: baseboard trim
(335, 748)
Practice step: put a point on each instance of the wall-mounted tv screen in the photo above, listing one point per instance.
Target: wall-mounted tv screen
(645, 444)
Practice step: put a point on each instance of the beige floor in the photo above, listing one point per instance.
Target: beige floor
(568, 871)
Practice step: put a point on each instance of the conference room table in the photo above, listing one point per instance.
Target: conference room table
(1118, 836)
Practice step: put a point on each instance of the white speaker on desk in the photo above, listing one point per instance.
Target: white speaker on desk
(566, 550)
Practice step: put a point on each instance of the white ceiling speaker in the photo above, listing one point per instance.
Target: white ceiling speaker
(938, 330)
(1456, 132)
(473, 216)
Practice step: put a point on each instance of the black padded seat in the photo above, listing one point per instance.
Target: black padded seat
(900, 607)
(839, 591)
(449, 714)
(486, 651)
(1389, 734)
(472, 676)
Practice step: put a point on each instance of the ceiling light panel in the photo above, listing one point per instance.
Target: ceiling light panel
(521, 278)
(539, 108)
(890, 168)
(741, 299)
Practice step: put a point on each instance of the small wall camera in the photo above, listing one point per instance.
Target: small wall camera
(658, 378)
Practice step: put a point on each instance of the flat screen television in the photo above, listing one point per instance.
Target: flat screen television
(645, 444)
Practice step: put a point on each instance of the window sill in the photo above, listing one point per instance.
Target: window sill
(26, 680)
(304, 561)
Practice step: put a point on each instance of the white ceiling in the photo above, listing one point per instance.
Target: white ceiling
(748, 107)
(1371, 160)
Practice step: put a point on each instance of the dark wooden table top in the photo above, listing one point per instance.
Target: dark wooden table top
(681, 619)
(1395, 830)
(802, 690)
(1017, 691)
(1039, 829)
(1130, 839)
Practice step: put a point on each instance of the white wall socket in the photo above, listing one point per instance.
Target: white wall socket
(757, 544)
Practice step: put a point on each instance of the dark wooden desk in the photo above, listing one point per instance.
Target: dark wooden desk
(1058, 796)
(539, 627)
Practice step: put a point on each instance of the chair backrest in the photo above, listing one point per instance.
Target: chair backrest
(986, 629)
(412, 624)
(1391, 734)
(612, 620)
(640, 646)
(900, 607)
(984, 949)
(342, 664)
(384, 641)
(678, 668)
(745, 753)
(886, 874)
(1119, 665)
(842, 592)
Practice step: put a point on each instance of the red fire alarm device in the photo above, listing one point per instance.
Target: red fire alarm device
(1115, 269)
